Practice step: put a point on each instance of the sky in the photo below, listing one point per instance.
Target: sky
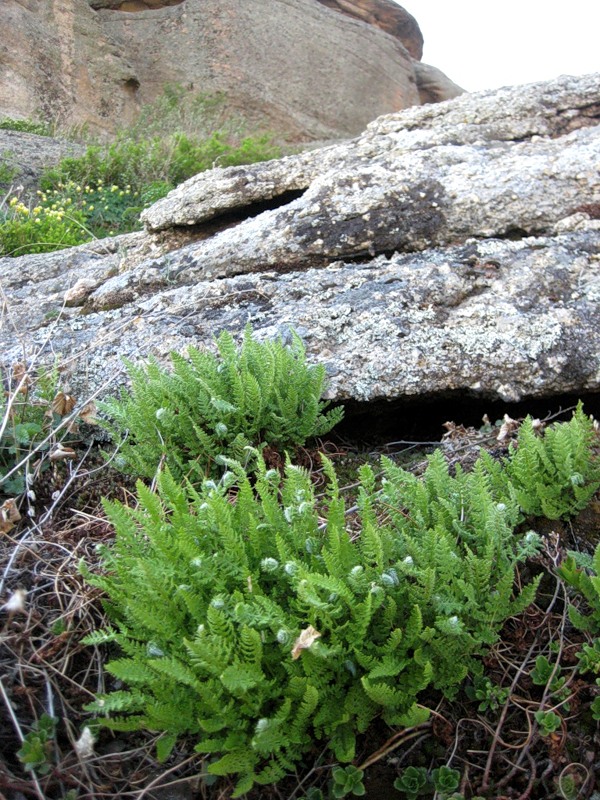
(483, 45)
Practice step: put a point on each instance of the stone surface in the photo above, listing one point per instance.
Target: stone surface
(388, 16)
(296, 67)
(450, 248)
(57, 63)
(27, 155)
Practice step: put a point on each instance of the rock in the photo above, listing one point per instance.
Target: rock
(434, 86)
(59, 64)
(27, 155)
(388, 16)
(450, 248)
(295, 67)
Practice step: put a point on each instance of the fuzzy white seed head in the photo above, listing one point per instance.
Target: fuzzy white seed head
(84, 746)
(16, 602)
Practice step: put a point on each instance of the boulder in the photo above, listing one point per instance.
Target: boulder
(388, 16)
(298, 68)
(450, 248)
(26, 155)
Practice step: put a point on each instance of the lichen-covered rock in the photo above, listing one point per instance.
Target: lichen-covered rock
(449, 248)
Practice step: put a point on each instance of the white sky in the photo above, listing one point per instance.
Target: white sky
(481, 44)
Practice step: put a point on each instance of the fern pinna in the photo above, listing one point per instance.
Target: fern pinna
(247, 623)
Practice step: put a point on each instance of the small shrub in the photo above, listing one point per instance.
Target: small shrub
(247, 623)
(174, 138)
(212, 406)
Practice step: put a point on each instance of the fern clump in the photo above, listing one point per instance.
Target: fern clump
(554, 474)
(251, 619)
(210, 406)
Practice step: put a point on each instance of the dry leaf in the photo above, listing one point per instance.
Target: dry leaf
(63, 404)
(88, 413)
(507, 429)
(9, 515)
(61, 452)
(304, 641)
(19, 373)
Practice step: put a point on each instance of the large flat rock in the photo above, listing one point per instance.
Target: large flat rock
(454, 248)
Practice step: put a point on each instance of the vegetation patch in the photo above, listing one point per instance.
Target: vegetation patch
(103, 192)
(211, 408)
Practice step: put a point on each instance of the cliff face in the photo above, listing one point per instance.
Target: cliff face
(298, 67)
(58, 63)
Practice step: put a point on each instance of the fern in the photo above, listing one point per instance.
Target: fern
(211, 593)
(210, 406)
(555, 474)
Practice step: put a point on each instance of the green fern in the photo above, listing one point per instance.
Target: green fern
(214, 406)
(554, 474)
(246, 623)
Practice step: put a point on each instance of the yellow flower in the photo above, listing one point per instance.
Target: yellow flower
(14, 201)
(37, 210)
(90, 208)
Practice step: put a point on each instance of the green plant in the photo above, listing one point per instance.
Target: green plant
(25, 126)
(490, 695)
(41, 229)
(7, 170)
(445, 779)
(249, 617)
(415, 781)
(457, 554)
(583, 574)
(36, 750)
(176, 137)
(412, 782)
(554, 474)
(548, 721)
(347, 780)
(212, 406)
